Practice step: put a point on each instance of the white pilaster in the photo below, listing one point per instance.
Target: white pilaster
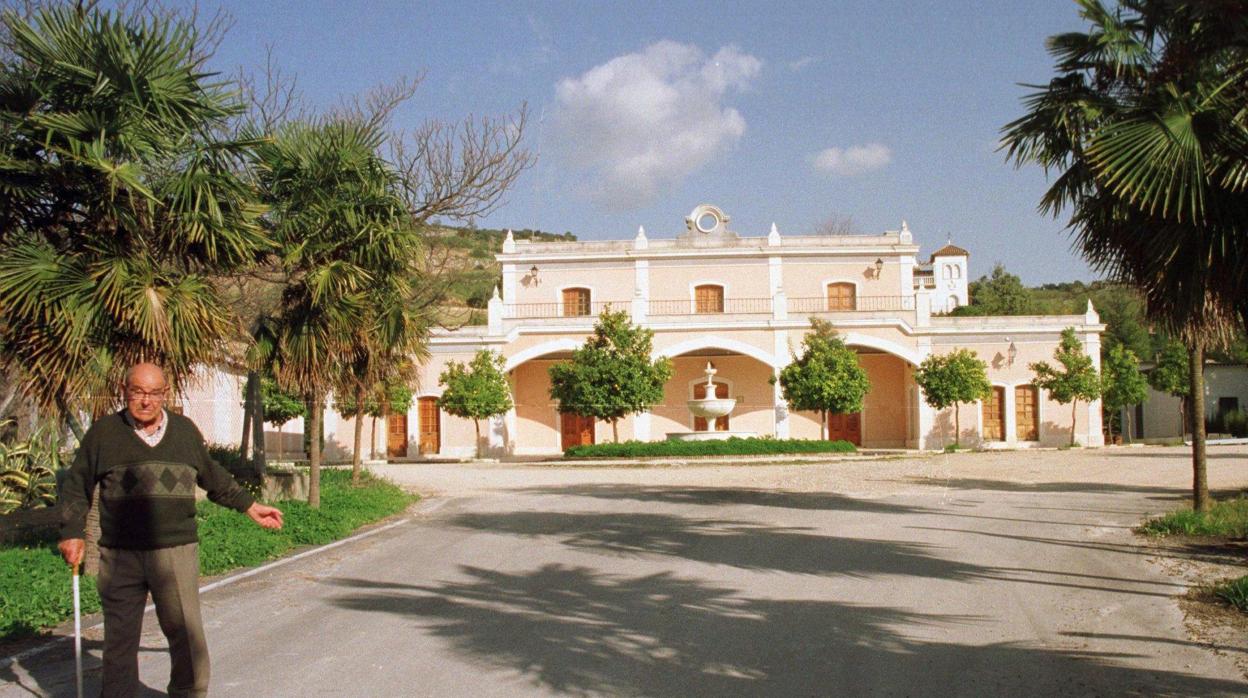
(780, 408)
(775, 271)
(494, 309)
(1011, 421)
(922, 308)
(641, 426)
(509, 283)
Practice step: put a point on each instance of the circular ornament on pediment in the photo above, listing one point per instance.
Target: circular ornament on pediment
(708, 220)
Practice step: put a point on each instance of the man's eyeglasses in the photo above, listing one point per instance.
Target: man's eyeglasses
(133, 394)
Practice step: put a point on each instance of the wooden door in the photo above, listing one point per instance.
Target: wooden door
(396, 435)
(430, 425)
(845, 427)
(994, 415)
(842, 296)
(575, 430)
(576, 302)
(1027, 412)
(699, 393)
(709, 299)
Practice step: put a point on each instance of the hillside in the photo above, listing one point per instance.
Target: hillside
(474, 272)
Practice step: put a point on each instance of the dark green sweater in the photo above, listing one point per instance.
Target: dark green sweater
(147, 493)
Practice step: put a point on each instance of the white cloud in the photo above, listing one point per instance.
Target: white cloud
(801, 63)
(854, 160)
(642, 122)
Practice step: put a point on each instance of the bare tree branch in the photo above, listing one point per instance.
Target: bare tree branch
(459, 171)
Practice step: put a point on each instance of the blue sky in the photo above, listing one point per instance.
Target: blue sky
(791, 112)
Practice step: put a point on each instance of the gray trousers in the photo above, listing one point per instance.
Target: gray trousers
(172, 577)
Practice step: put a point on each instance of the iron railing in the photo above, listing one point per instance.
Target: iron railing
(724, 306)
(860, 304)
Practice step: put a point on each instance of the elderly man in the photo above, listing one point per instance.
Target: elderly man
(147, 463)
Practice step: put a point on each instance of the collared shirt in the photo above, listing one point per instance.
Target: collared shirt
(153, 438)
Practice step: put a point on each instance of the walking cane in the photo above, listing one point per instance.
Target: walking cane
(77, 634)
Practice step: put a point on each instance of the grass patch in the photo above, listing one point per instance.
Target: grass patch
(725, 447)
(1227, 518)
(36, 589)
(228, 540)
(1234, 592)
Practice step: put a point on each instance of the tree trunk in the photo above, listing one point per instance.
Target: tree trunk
(257, 434)
(359, 436)
(1074, 417)
(372, 448)
(1200, 479)
(957, 425)
(71, 419)
(314, 453)
(91, 554)
(245, 441)
(615, 430)
(281, 455)
(823, 425)
(476, 423)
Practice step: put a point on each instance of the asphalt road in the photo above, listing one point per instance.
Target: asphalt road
(591, 584)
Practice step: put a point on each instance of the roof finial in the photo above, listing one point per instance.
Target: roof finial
(641, 242)
(773, 237)
(509, 243)
(905, 227)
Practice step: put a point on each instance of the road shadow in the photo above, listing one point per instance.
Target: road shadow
(967, 483)
(742, 544)
(51, 672)
(720, 496)
(1182, 456)
(579, 631)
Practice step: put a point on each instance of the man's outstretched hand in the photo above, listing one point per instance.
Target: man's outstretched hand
(72, 549)
(266, 516)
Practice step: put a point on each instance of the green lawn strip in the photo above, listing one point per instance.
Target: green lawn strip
(1228, 518)
(35, 584)
(719, 447)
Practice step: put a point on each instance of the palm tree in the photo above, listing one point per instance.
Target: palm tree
(119, 200)
(342, 232)
(1144, 127)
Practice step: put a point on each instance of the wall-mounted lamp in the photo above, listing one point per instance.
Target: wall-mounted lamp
(879, 267)
(533, 270)
(1011, 352)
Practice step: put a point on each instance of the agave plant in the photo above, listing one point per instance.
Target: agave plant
(28, 472)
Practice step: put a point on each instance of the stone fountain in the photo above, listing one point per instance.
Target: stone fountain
(710, 408)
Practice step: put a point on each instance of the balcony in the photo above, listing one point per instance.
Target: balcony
(695, 310)
(819, 305)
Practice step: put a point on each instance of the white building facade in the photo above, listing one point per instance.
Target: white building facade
(744, 305)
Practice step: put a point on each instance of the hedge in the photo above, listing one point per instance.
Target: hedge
(721, 447)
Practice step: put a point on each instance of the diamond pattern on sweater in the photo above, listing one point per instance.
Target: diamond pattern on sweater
(149, 479)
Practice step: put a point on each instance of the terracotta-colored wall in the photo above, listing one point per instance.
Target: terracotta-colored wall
(608, 281)
(742, 277)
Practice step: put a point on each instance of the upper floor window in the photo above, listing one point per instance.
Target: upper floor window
(576, 302)
(957, 271)
(708, 298)
(842, 296)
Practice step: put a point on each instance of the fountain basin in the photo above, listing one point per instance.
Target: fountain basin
(711, 408)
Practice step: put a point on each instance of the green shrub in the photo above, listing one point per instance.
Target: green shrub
(1227, 518)
(1234, 592)
(952, 448)
(721, 447)
(28, 471)
(36, 590)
